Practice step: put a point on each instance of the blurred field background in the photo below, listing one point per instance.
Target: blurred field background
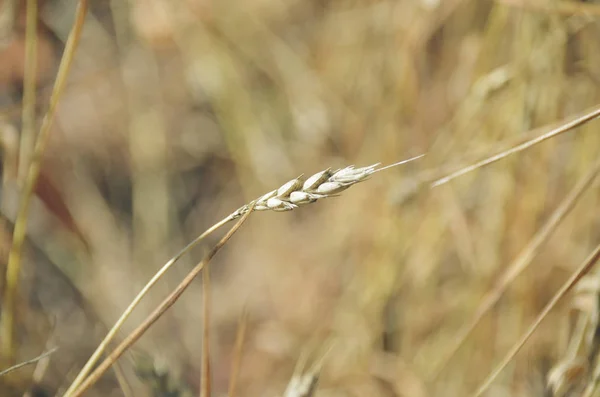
(178, 112)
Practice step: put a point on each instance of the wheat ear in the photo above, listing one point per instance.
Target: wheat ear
(323, 184)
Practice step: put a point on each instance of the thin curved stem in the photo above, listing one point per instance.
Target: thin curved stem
(28, 362)
(117, 326)
(162, 308)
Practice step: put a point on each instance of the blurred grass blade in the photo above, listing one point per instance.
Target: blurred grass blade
(159, 311)
(205, 374)
(567, 8)
(119, 323)
(29, 88)
(238, 353)
(8, 10)
(13, 270)
(520, 147)
(28, 362)
(583, 269)
(520, 263)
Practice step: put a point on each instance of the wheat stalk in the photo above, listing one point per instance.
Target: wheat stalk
(327, 183)
(137, 333)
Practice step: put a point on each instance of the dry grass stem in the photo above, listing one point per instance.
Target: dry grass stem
(29, 90)
(583, 269)
(28, 362)
(13, 270)
(519, 264)
(238, 353)
(205, 377)
(155, 315)
(520, 147)
(119, 323)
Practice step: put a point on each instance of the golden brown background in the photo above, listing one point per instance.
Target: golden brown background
(178, 112)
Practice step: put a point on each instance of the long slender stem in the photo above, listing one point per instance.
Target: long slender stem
(28, 362)
(13, 270)
(518, 265)
(117, 326)
(205, 377)
(520, 147)
(162, 308)
(29, 87)
(583, 269)
(238, 352)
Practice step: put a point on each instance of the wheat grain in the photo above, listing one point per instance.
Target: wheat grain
(323, 184)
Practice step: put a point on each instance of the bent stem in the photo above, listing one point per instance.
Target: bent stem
(28, 362)
(159, 311)
(117, 326)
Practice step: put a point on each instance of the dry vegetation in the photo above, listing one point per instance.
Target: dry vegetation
(175, 113)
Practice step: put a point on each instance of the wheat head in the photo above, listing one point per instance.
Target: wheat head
(323, 184)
